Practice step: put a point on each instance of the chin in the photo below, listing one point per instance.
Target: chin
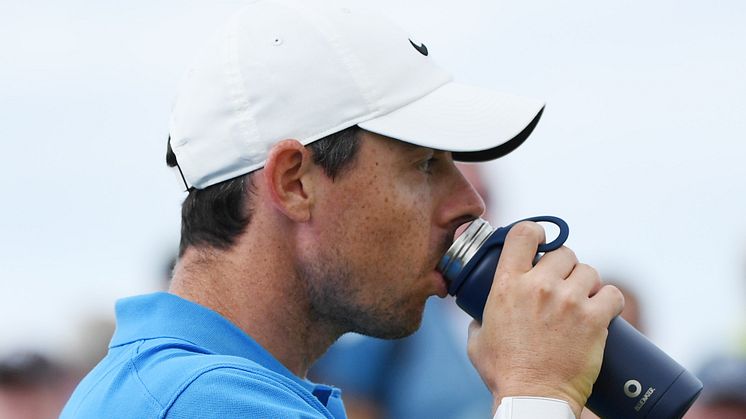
(391, 333)
(393, 325)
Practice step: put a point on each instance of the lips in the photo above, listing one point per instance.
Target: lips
(444, 291)
(445, 244)
(444, 283)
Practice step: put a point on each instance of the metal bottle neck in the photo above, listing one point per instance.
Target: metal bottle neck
(464, 248)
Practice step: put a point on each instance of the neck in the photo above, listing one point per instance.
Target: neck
(260, 292)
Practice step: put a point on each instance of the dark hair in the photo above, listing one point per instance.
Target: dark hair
(216, 215)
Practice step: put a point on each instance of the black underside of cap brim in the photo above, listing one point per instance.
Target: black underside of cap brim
(502, 149)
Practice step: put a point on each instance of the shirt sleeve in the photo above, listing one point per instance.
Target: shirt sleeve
(533, 408)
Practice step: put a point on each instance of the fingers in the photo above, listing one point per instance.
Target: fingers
(604, 301)
(610, 301)
(560, 263)
(581, 281)
(520, 247)
(585, 279)
(534, 313)
(607, 301)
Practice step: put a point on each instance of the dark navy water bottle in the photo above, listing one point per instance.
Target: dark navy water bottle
(637, 379)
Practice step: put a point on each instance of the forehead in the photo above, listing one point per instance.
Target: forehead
(398, 147)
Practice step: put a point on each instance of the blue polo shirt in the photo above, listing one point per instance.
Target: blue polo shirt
(171, 358)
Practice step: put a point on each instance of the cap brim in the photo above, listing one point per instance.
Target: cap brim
(475, 124)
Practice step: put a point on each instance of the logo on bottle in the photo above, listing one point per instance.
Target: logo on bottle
(632, 388)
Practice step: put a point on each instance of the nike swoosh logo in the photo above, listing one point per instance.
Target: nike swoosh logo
(422, 49)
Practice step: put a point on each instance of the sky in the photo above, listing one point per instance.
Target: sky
(641, 148)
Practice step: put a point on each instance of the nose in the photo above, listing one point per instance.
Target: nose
(461, 203)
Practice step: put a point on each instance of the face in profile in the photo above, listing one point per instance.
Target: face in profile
(377, 233)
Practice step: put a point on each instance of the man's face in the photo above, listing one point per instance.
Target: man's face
(377, 231)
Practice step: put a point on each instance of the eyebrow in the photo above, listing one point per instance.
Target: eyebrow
(410, 148)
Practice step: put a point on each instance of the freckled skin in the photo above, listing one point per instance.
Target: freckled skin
(378, 231)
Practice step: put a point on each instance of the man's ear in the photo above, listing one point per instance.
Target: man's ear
(286, 175)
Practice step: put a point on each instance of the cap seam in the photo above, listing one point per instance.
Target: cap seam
(347, 58)
(237, 89)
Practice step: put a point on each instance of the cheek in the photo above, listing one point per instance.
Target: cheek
(398, 228)
(383, 232)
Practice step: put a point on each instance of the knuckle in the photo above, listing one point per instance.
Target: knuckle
(589, 271)
(570, 297)
(569, 253)
(543, 290)
(570, 302)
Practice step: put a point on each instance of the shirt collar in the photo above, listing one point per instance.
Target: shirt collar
(164, 315)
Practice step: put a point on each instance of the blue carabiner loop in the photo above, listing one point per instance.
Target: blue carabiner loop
(564, 232)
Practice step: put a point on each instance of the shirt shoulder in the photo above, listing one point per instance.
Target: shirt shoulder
(170, 378)
(235, 391)
(185, 380)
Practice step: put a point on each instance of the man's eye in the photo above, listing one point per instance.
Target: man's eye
(427, 165)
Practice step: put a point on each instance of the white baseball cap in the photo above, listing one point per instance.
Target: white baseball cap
(304, 69)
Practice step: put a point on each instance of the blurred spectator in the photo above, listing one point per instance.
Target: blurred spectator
(427, 375)
(94, 335)
(32, 387)
(724, 393)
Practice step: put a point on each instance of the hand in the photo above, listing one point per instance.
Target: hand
(544, 327)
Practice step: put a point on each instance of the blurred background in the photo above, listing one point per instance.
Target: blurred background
(641, 150)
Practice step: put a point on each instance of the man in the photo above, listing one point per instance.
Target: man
(317, 143)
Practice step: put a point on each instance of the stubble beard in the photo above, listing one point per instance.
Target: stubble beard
(336, 299)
